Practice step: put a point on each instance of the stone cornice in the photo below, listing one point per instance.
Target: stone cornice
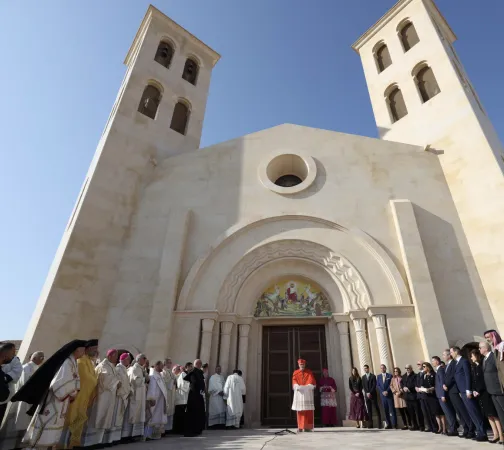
(392, 310)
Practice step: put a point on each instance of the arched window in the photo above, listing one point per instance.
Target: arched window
(164, 54)
(409, 36)
(427, 84)
(383, 59)
(190, 71)
(180, 118)
(396, 104)
(150, 101)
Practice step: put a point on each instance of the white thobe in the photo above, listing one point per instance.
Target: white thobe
(216, 403)
(156, 392)
(23, 419)
(102, 411)
(171, 385)
(47, 424)
(134, 418)
(234, 389)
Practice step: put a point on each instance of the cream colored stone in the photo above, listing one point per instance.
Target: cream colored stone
(170, 246)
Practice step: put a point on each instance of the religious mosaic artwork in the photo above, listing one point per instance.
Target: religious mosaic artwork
(293, 297)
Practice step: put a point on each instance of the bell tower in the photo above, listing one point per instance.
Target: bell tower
(158, 113)
(421, 95)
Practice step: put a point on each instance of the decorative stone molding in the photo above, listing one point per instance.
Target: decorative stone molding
(354, 291)
(400, 292)
(243, 330)
(206, 338)
(380, 323)
(346, 358)
(207, 325)
(342, 328)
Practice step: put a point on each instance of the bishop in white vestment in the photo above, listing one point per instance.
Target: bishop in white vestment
(216, 404)
(114, 434)
(50, 390)
(156, 399)
(102, 411)
(234, 390)
(171, 385)
(134, 418)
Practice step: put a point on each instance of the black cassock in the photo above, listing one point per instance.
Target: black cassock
(195, 411)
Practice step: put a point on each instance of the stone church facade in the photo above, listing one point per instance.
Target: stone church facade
(291, 241)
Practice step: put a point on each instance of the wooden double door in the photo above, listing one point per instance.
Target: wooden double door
(282, 346)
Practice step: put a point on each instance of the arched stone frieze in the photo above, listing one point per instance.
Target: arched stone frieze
(400, 293)
(355, 293)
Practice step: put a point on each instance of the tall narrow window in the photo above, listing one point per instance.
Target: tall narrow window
(180, 118)
(190, 71)
(409, 36)
(396, 105)
(164, 54)
(427, 84)
(383, 59)
(150, 101)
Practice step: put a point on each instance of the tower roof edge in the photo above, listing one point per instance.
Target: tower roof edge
(152, 12)
(396, 9)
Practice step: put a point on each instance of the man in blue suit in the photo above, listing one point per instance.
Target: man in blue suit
(383, 381)
(463, 381)
(450, 387)
(442, 396)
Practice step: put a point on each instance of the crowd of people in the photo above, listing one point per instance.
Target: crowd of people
(75, 400)
(446, 393)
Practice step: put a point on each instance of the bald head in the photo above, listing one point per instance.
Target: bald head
(37, 358)
(198, 363)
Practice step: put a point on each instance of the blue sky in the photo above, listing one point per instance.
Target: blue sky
(282, 61)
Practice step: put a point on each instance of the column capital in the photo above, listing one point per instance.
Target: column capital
(207, 325)
(342, 328)
(380, 321)
(360, 325)
(243, 330)
(226, 327)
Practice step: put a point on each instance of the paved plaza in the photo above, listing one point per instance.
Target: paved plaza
(321, 439)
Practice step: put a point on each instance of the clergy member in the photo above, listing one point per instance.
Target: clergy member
(134, 420)
(303, 383)
(23, 419)
(102, 411)
(216, 403)
(194, 420)
(12, 370)
(121, 400)
(234, 390)
(156, 401)
(171, 384)
(77, 415)
(181, 395)
(50, 390)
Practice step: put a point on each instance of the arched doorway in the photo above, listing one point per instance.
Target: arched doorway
(286, 299)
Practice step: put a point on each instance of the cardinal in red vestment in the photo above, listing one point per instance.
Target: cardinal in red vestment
(303, 384)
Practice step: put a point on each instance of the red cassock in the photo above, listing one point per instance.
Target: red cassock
(303, 401)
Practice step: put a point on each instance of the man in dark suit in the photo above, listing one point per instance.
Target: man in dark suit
(383, 381)
(442, 396)
(463, 381)
(412, 403)
(492, 380)
(371, 397)
(450, 387)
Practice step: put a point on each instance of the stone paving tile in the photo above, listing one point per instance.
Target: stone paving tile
(320, 439)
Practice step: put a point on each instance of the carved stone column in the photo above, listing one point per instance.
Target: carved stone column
(346, 360)
(225, 343)
(380, 323)
(243, 333)
(362, 343)
(206, 339)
